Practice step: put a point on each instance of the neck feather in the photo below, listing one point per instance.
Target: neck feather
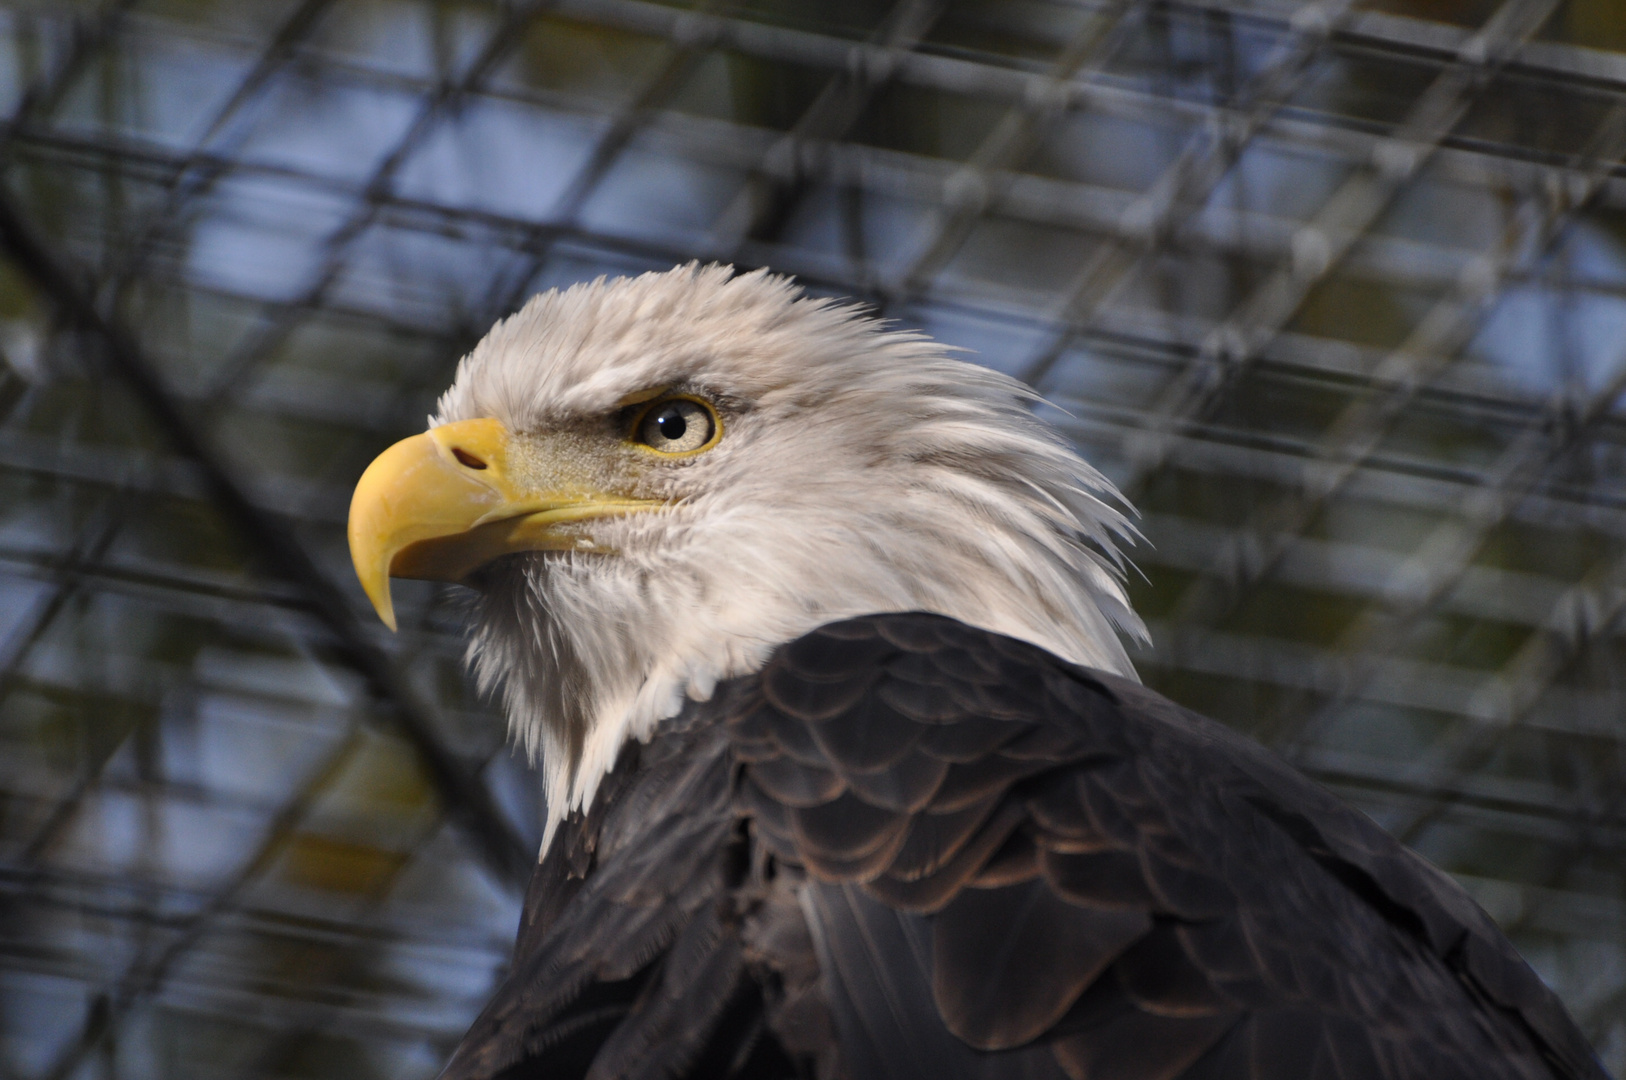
(591, 651)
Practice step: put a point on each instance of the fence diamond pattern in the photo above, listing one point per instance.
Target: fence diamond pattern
(1336, 291)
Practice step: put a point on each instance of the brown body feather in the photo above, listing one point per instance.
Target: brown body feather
(911, 848)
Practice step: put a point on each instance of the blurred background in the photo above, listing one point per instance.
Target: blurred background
(1335, 291)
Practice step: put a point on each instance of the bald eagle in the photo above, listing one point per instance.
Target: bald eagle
(816, 633)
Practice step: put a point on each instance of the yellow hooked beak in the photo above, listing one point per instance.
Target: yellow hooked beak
(440, 505)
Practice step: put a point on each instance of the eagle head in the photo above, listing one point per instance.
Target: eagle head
(652, 482)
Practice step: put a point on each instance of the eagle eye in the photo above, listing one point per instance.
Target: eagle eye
(677, 426)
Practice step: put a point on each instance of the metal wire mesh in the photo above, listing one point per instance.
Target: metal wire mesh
(1335, 291)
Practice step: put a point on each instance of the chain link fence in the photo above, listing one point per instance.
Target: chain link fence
(1335, 291)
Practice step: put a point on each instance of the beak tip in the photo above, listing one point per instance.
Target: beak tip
(383, 604)
(376, 585)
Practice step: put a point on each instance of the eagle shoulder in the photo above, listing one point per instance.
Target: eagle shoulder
(1013, 859)
(912, 848)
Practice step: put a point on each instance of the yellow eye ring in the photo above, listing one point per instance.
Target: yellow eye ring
(676, 426)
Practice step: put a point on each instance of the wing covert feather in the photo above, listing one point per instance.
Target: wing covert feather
(1072, 867)
(972, 861)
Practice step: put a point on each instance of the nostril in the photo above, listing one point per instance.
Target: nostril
(467, 459)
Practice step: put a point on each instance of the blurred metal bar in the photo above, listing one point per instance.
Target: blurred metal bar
(764, 204)
(304, 1018)
(1183, 188)
(985, 179)
(1042, 201)
(1355, 434)
(688, 44)
(194, 175)
(90, 547)
(1322, 243)
(144, 976)
(1581, 617)
(465, 798)
(90, 34)
(237, 367)
(1315, 21)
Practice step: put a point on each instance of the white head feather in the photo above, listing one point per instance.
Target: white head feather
(861, 470)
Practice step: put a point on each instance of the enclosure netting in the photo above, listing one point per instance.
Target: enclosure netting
(1335, 292)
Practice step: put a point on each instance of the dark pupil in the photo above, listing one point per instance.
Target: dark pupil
(672, 424)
